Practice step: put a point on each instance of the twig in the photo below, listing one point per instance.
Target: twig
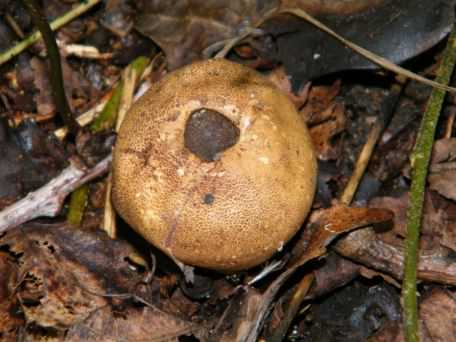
(14, 26)
(375, 133)
(85, 118)
(48, 200)
(419, 163)
(362, 162)
(56, 76)
(299, 293)
(450, 123)
(83, 51)
(56, 24)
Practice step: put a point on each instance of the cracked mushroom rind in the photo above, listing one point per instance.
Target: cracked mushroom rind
(228, 213)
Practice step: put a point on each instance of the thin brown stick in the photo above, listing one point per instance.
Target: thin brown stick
(294, 304)
(361, 163)
(14, 26)
(450, 123)
(366, 152)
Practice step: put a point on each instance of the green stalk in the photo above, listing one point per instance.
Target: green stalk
(78, 203)
(107, 118)
(420, 161)
(56, 75)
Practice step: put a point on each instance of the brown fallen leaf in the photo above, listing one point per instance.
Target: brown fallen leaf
(318, 100)
(59, 268)
(283, 82)
(438, 227)
(76, 87)
(81, 285)
(326, 224)
(334, 273)
(326, 119)
(131, 324)
(185, 28)
(444, 183)
(437, 315)
(239, 315)
(324, 133)
(443, 168)
(10, 318)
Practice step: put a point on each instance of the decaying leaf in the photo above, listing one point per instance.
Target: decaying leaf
(81, 285)
(131, 324)
(60, 268)
(438, 227)
(326, 119)
(443, 168)
(76, 86)
(323, 134)
(184, 28)
(283, 82)
(326, 224)
(11, 319)
(438, 314)
(334, 273)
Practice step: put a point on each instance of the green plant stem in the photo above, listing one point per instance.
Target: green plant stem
(56, 75)
(78, 203)
(56, 24)
(107, 118)
(420, 161)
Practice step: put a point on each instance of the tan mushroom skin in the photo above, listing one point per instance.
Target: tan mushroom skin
(221, 201)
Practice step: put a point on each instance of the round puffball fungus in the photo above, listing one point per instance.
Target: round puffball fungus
(214, 166)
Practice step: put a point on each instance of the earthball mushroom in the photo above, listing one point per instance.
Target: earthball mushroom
(214, 166)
